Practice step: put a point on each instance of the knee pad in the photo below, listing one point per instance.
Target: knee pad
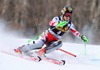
(54, 45)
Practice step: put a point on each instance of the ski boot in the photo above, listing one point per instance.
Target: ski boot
(18, 50)
(41, 52)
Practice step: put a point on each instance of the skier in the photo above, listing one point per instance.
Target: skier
(49, 41)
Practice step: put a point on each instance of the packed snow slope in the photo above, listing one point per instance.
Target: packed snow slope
(85, 60)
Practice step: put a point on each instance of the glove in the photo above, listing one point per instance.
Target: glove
(84, 38)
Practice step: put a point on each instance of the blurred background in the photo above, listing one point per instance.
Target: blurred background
(29, 18)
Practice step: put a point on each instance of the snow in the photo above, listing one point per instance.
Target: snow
(89, 60)
(82, 62)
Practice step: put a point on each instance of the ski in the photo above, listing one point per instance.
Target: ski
(55, 61)
(37, 58)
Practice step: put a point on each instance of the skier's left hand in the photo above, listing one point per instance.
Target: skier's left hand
(84, 38)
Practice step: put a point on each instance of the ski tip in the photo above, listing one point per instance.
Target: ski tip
(63, 62)
(39, 59)
(75, 56)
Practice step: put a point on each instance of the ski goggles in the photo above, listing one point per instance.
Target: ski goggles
(68, 14)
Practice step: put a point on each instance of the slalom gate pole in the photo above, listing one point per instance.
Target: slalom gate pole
(67, 52)
(85, 49)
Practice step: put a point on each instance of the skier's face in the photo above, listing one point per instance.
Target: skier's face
(67, 16)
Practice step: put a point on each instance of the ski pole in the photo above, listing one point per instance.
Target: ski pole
(67, 52)
(33, 39)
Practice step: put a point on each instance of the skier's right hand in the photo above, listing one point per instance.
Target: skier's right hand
(84, 38)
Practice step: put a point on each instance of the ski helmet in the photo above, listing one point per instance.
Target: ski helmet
(67, 10)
